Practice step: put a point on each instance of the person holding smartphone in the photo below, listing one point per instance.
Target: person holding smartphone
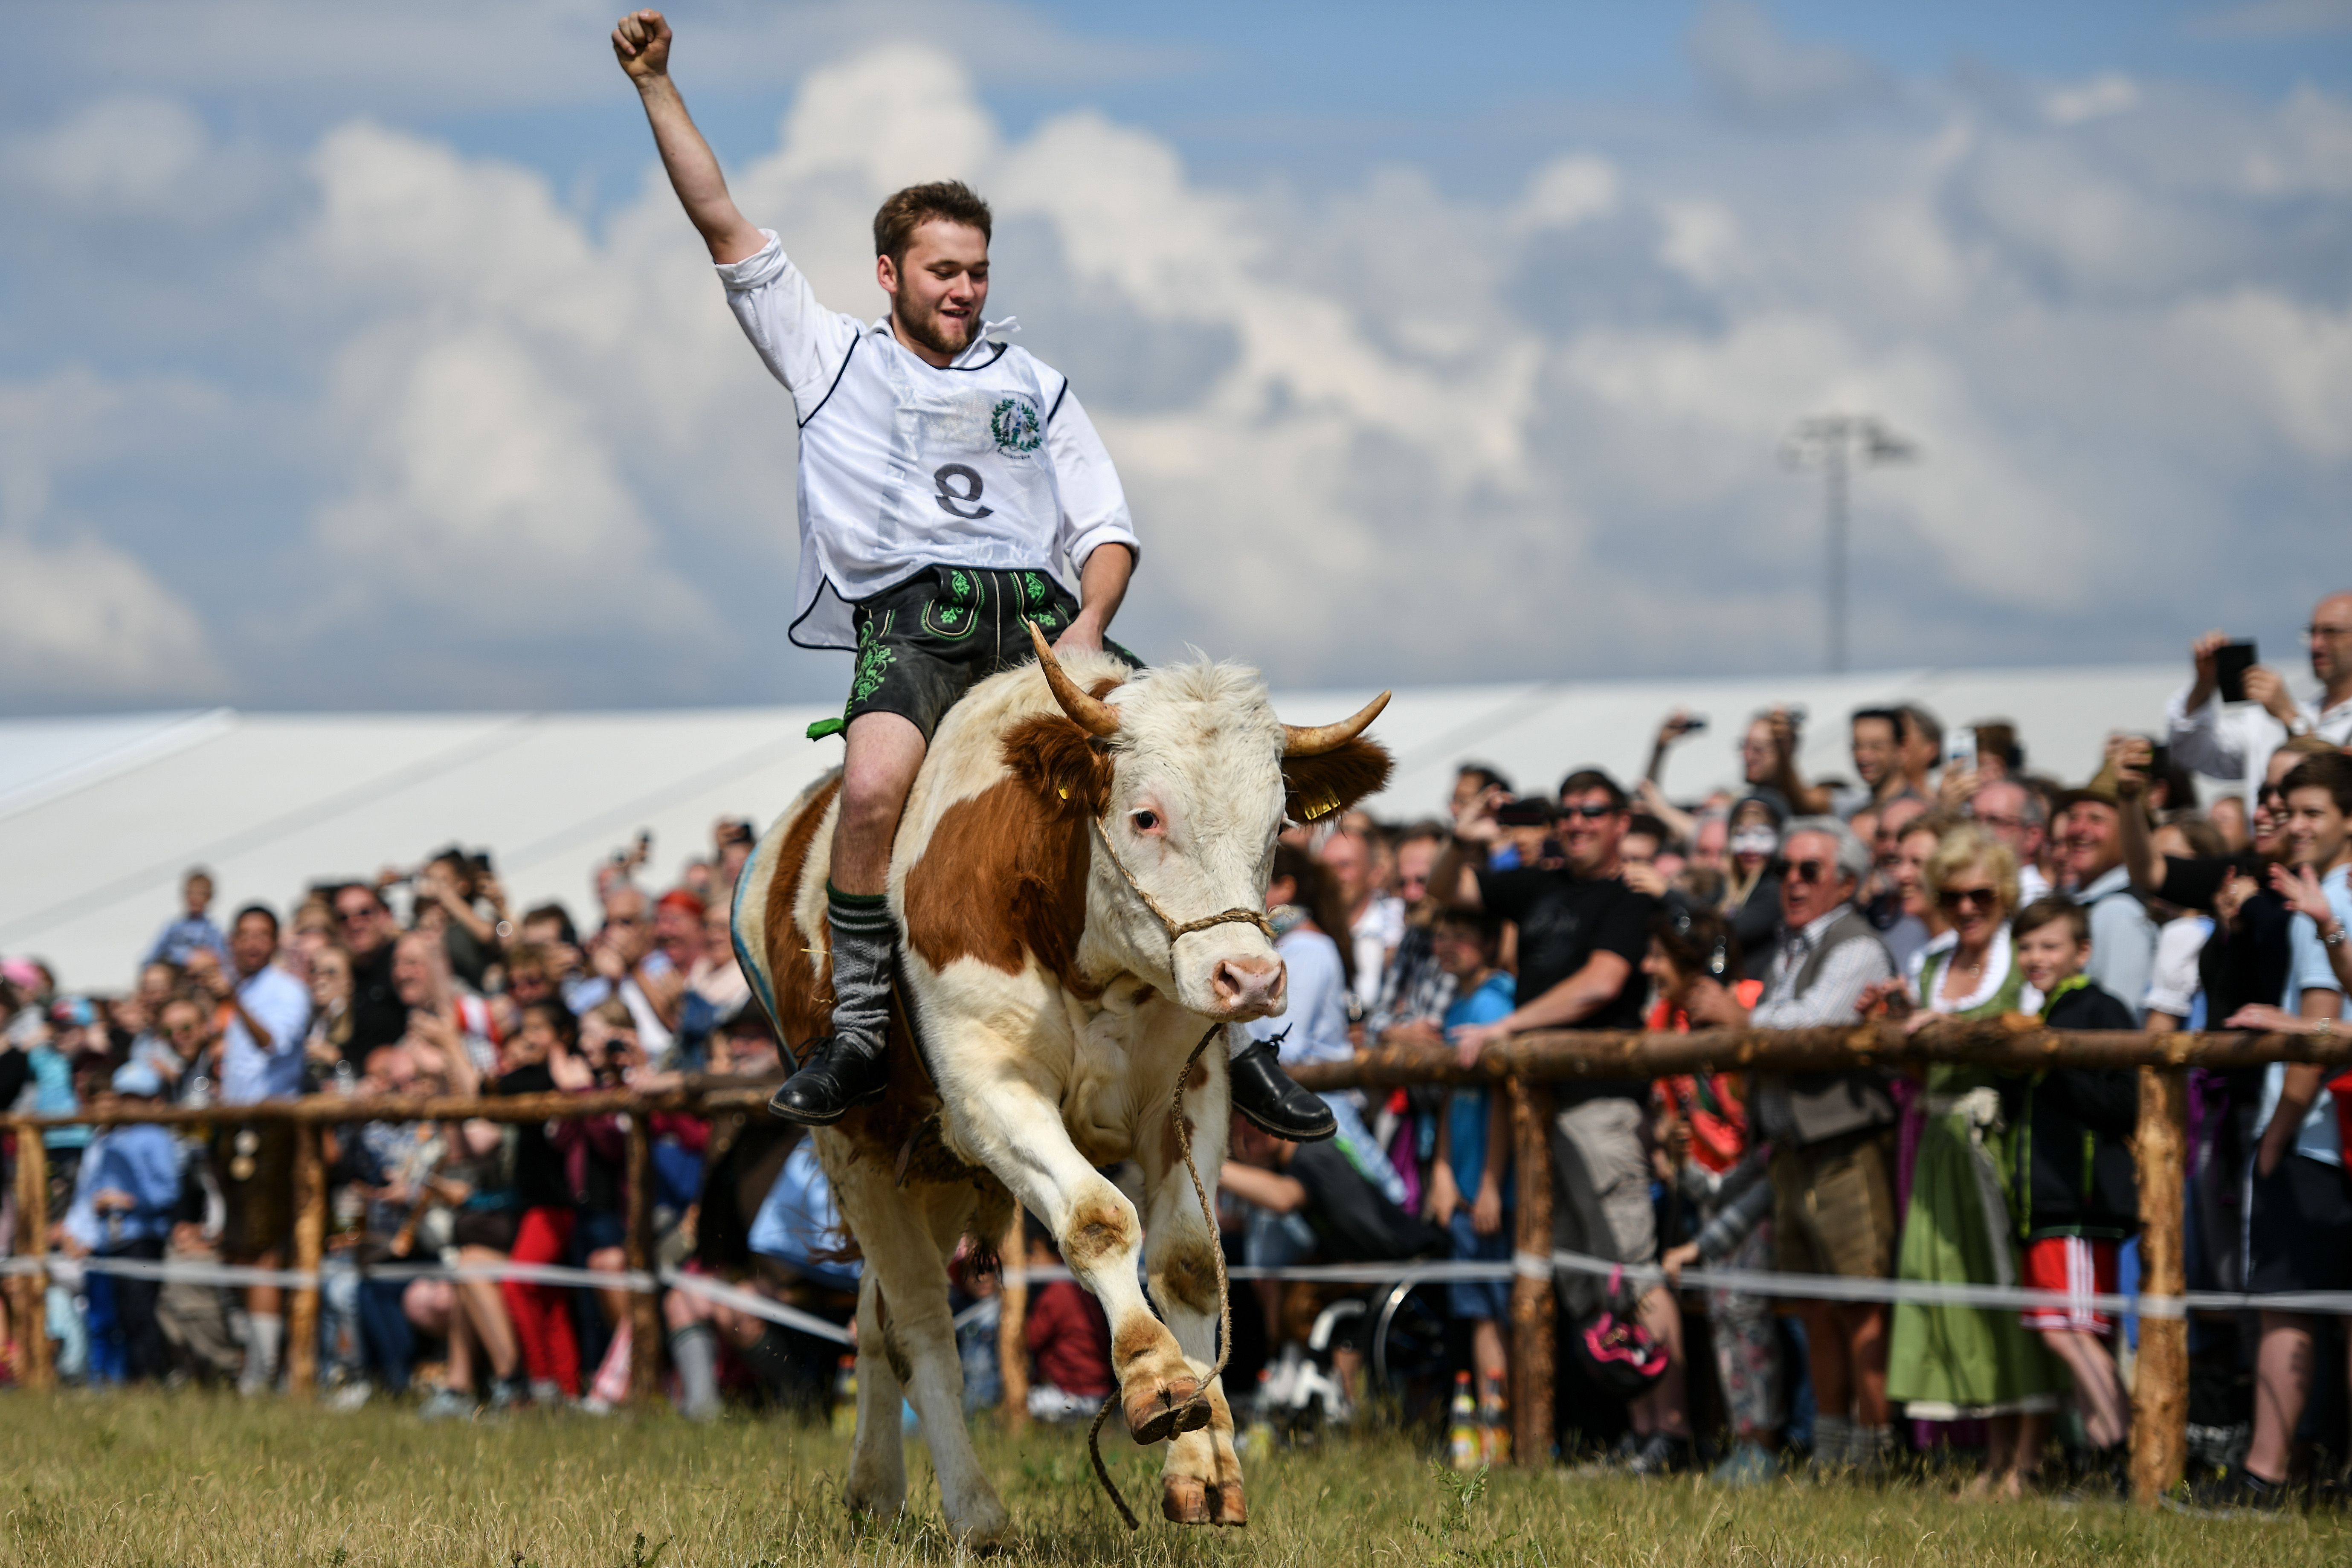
(2210, 733)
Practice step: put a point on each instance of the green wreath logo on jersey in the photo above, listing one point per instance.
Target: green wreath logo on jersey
(1014, 424)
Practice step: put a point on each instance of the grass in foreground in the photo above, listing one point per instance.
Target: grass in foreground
(151, 1479)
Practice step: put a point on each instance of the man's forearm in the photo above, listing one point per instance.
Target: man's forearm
(695, 175)
(1102, 584)
(1576, 998)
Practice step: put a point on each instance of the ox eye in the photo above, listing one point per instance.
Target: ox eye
(1145, 821)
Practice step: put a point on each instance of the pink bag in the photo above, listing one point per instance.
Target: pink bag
(1618, 1352)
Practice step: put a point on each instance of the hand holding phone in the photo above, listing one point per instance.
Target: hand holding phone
(2231, 662)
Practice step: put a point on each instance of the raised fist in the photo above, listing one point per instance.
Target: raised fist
(641, 43)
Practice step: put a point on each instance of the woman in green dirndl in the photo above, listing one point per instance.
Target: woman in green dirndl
(1953, 1362)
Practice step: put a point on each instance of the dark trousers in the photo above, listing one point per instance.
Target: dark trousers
(387, 1340)
(145, 1357)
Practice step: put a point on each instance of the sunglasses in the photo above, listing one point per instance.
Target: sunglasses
(1589, 812)
(1968, 897)
(1804, 870)
(2270, 791)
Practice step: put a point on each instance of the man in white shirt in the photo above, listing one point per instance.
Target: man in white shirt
(2233, 740)
(946, 480)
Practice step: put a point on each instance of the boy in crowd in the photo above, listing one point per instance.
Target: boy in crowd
(2075, 1191)
(193, 928)
(1473, 1148)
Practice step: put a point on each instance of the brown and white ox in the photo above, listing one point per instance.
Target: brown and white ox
(1055, 1011)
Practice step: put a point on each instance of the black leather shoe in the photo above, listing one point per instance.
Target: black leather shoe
(836, 1075)
(1264, 1092)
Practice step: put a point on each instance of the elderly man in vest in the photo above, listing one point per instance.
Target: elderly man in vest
(1833, 1134)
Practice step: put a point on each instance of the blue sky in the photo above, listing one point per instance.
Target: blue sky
(347, 358)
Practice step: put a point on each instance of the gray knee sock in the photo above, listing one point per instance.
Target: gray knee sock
(264, 1340)
(865, 961)
(1832, 1440)
(693, 1350)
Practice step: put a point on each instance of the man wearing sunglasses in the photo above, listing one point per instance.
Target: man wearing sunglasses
(1833, 1133)
(2232, 740)
(1582, 936)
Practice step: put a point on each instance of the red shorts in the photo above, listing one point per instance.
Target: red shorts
(2074, 1267)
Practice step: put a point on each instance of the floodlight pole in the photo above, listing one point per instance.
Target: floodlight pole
(1833, 442)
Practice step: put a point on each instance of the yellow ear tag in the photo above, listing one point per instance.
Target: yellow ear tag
(1065, 792)
(1323, 804)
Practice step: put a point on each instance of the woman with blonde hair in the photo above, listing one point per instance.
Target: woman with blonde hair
(1950, 1362)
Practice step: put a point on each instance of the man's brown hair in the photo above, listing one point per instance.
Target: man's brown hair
(950, 200)
(2330, 771)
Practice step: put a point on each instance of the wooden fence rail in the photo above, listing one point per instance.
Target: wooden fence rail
(1524, 1068)
(695, 1094)
(1529, 1063)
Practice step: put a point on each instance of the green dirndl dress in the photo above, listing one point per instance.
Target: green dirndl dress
(1951, 1362)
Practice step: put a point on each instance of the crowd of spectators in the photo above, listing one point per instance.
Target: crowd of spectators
(1945, 877)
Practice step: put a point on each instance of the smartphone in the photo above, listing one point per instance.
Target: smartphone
(1694, 722)
(2231, 662)
(1963, 750)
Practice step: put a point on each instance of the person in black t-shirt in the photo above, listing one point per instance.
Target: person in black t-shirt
(378, 1015)
(1582, 936)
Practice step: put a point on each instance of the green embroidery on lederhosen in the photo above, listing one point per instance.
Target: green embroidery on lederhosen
(956, 618)
(874, 660)
(1035, 586)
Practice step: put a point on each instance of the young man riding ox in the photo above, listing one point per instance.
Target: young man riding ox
(943, 476)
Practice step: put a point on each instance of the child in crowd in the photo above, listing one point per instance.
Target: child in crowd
(2072, 1185)
(1724, 1173)
(1068, 1338)
(1467, 1193)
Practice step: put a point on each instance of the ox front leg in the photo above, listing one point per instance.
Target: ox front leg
(1201, 1482)
(1016, 1129)
(903, 1312)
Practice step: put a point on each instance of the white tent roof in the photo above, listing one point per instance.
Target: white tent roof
(99, 816)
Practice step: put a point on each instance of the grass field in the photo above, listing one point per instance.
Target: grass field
(133, 1479)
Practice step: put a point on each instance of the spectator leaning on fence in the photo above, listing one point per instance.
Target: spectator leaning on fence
(1833, 1133)
(2072, 1182)
(1582, 936)
(1947, 1362)
(2300, 1234)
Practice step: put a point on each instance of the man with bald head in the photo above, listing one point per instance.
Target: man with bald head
(2235, 741)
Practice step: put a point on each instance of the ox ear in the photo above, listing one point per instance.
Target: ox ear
(1314, 787)
(1060, 763)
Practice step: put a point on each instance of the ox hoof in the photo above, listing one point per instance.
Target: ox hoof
(1226, 1508)
(1178, 1407)
(1183, 1500)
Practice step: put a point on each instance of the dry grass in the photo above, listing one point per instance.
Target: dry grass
(152, 1479)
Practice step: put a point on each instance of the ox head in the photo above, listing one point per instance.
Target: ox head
(1187, 777)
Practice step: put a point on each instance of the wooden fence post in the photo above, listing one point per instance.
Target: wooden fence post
(1532, 1307)
(645, 1316)
(2159, 1423)
(309, 1250)
(35, 1369)
(1012, 1325)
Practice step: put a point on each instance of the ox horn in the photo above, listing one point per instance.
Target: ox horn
(1314, 740)
(1087, 711)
